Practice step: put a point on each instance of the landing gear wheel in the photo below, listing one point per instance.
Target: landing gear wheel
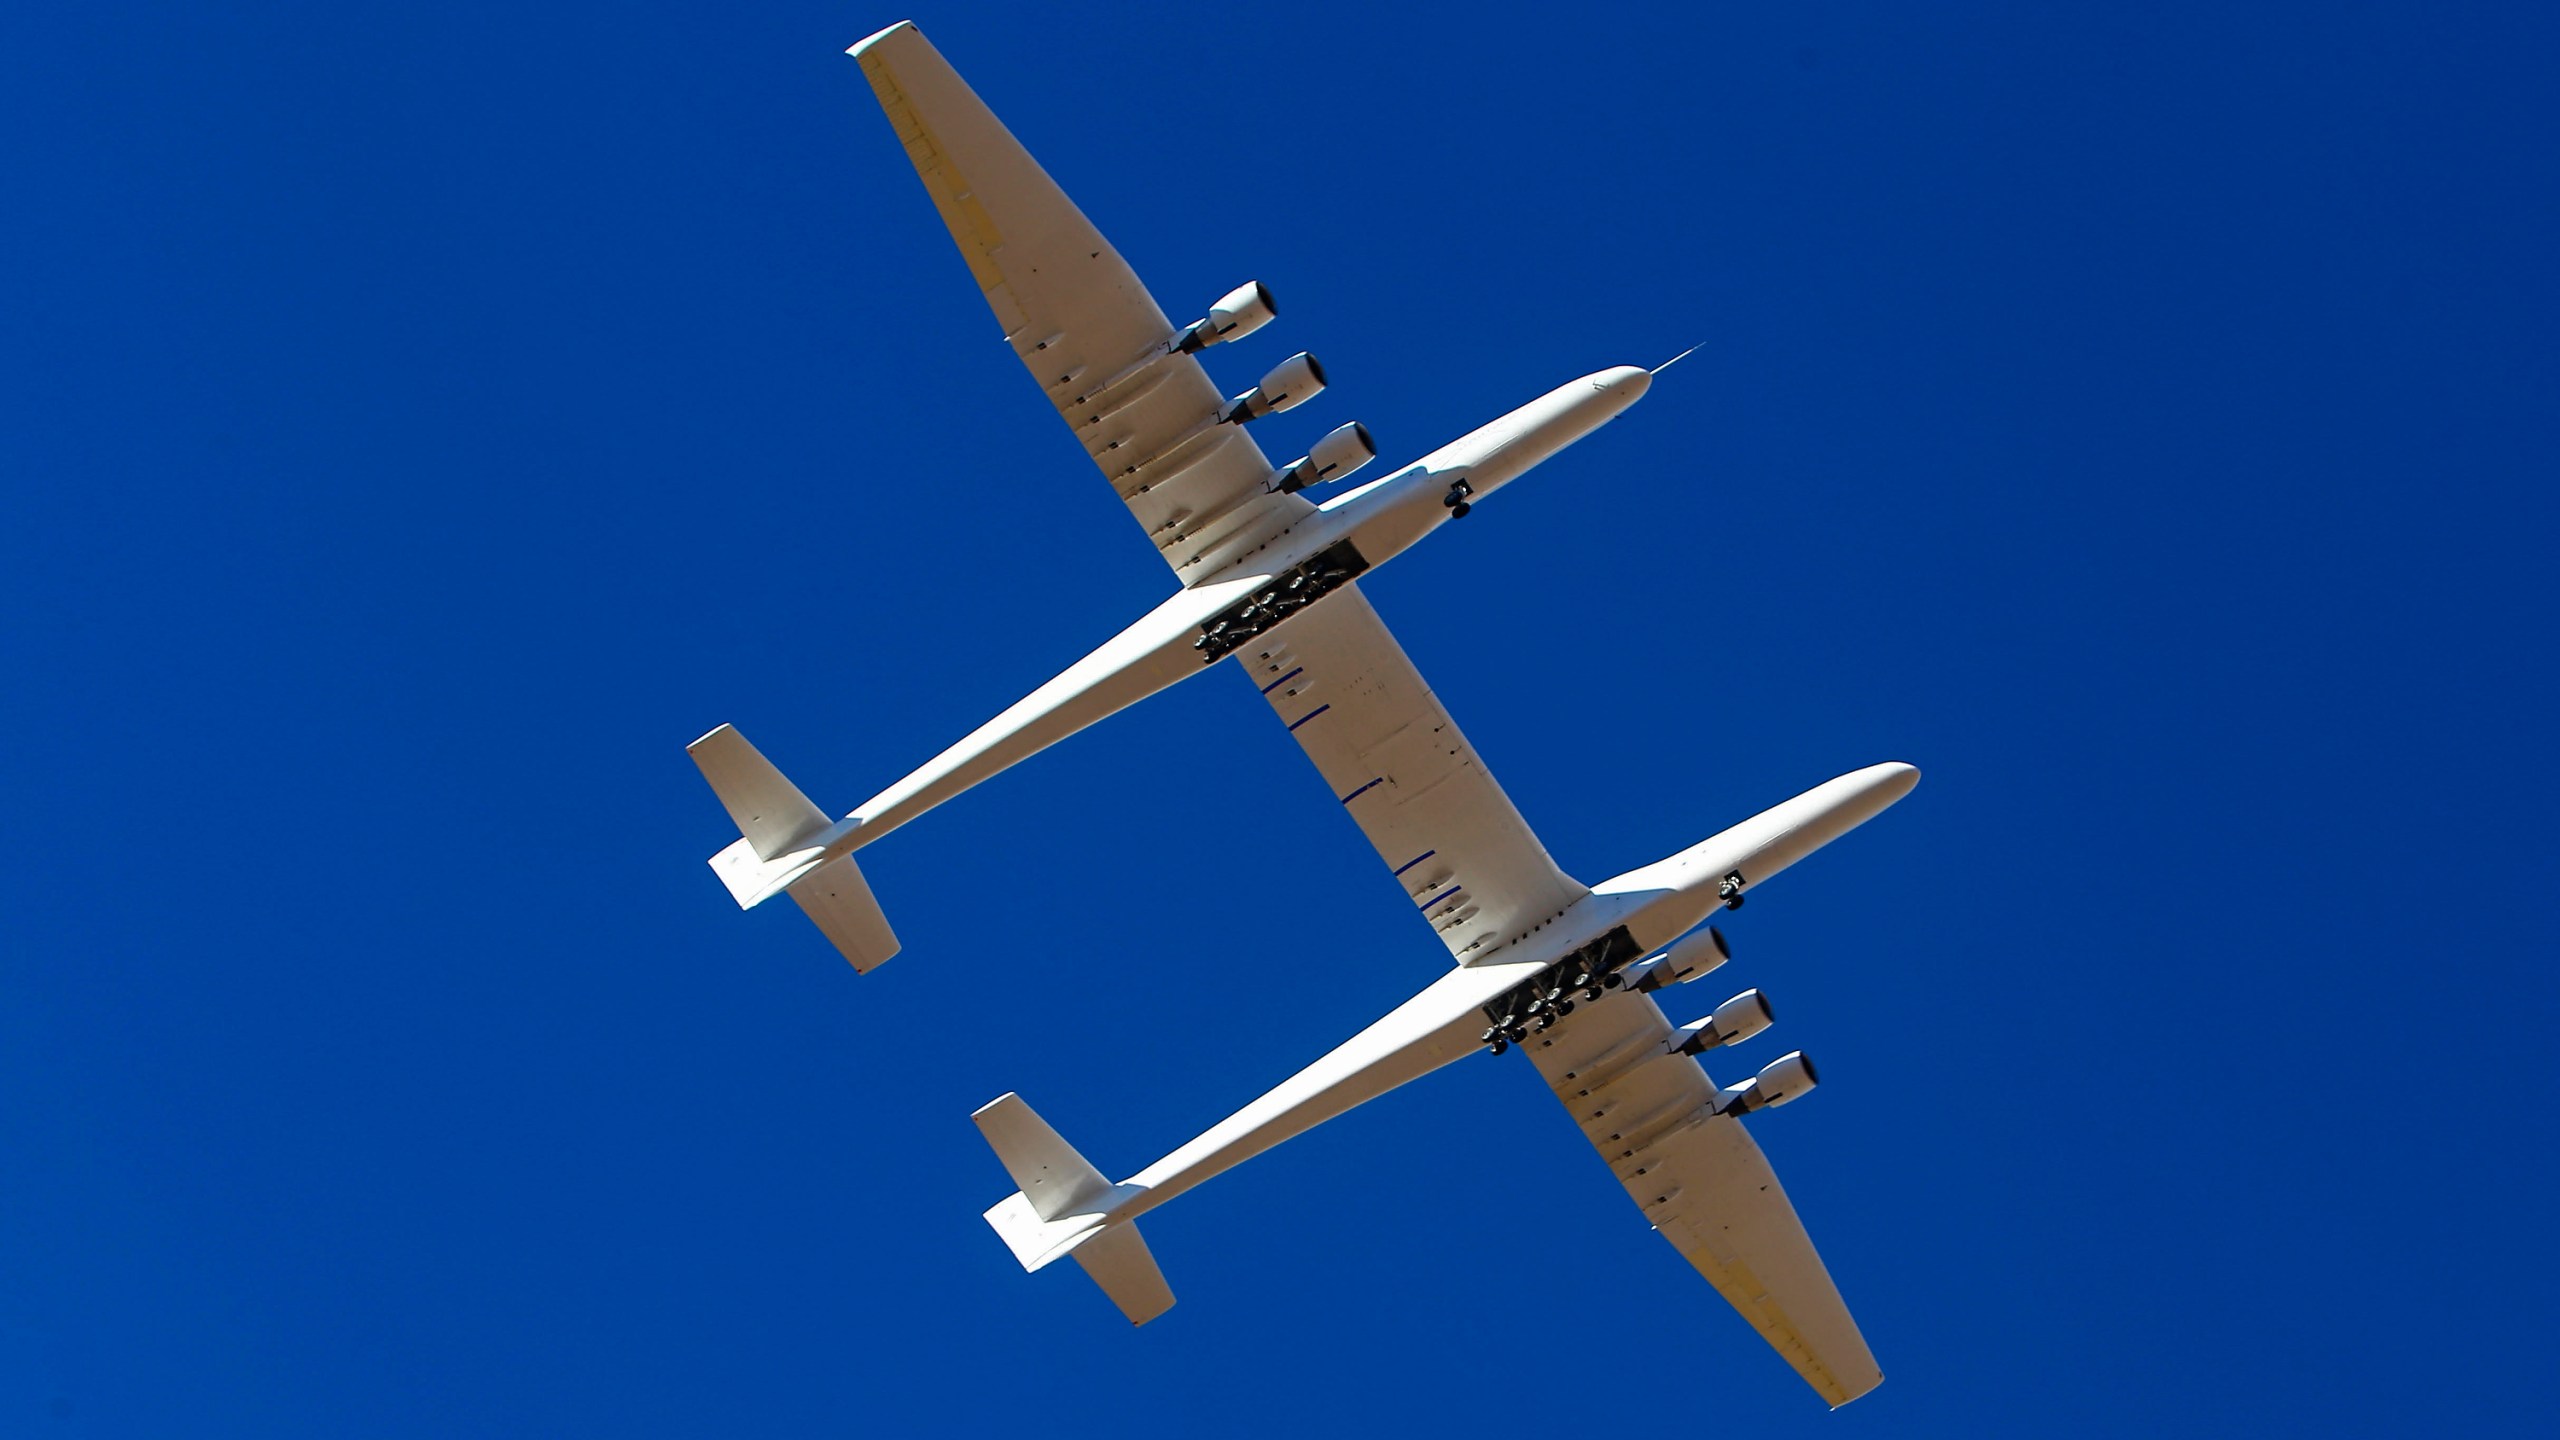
(1501, 1045)
(1459, 510)
(1564, 1007)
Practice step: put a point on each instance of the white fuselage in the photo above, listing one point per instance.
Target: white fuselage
(1656, 904)
(1385, 517)
(1381, 520)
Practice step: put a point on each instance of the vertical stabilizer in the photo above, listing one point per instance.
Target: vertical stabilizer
(1054, 1178)
(1063, 1209)
(783, 850)
(771, 812)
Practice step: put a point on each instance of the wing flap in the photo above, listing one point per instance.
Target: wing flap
(1078, 317)
(1733, 1223)
(1703, 1182)
(1411, 782)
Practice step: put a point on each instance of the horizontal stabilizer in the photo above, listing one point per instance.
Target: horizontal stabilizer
(1062, 1209)
(1119, 1262)
(783, 850)
(838, 900)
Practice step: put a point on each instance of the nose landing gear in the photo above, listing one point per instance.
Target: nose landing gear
(1730, 892)
(1456, 499)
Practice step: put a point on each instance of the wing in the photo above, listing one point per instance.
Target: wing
(1702, 1181)
(1078, 317)
(1396, 761)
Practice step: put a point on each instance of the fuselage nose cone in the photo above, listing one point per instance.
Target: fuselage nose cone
(1623, 384)
(1881, 785)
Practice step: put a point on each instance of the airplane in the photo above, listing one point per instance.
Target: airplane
(1270, 577)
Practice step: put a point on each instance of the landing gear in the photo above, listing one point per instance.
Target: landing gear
(1283, 596)
(1549, 996)
(1730, 892)
(1456, 499)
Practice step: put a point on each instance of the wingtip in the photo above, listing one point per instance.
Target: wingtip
(867, 41)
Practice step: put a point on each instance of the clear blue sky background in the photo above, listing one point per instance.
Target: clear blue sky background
(416, 426)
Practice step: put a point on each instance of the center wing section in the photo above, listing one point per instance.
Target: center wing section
(1079, 318)
(1414, 786)
(1702, 1181)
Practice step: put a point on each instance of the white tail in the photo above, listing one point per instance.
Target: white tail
(782, 850)
(1063, 1208)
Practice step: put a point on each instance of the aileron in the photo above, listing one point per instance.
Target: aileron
(1073, 310)
(1702, 1181)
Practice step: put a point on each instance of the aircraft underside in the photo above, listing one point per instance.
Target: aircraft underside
(1267, 560)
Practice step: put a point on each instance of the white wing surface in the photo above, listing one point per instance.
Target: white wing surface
(1702, 1181)
(1079, 318)
(1414, 786)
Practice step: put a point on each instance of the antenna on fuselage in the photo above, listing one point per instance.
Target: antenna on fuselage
(1676, 359)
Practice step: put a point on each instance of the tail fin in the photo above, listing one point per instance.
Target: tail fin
(782, 850)
(838, 899)
(771, 812)
(1063, 1208)
(1118, 1260)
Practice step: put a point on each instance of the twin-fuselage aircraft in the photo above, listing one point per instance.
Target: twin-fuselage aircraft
(1269, 578)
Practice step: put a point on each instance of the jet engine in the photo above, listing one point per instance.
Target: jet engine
(1783, 1079)
(1735, 1021)
(1245, 309)
(1687, 959)
(1333, 457)
(1291, 383)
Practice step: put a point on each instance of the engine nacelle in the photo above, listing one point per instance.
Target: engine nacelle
(1333, 457)
(1692, 956)
(1245, 309)
(1735, 1021)
(1786, 1078)
(1292, 383)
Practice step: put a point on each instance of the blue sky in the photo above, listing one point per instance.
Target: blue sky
(415, 428)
